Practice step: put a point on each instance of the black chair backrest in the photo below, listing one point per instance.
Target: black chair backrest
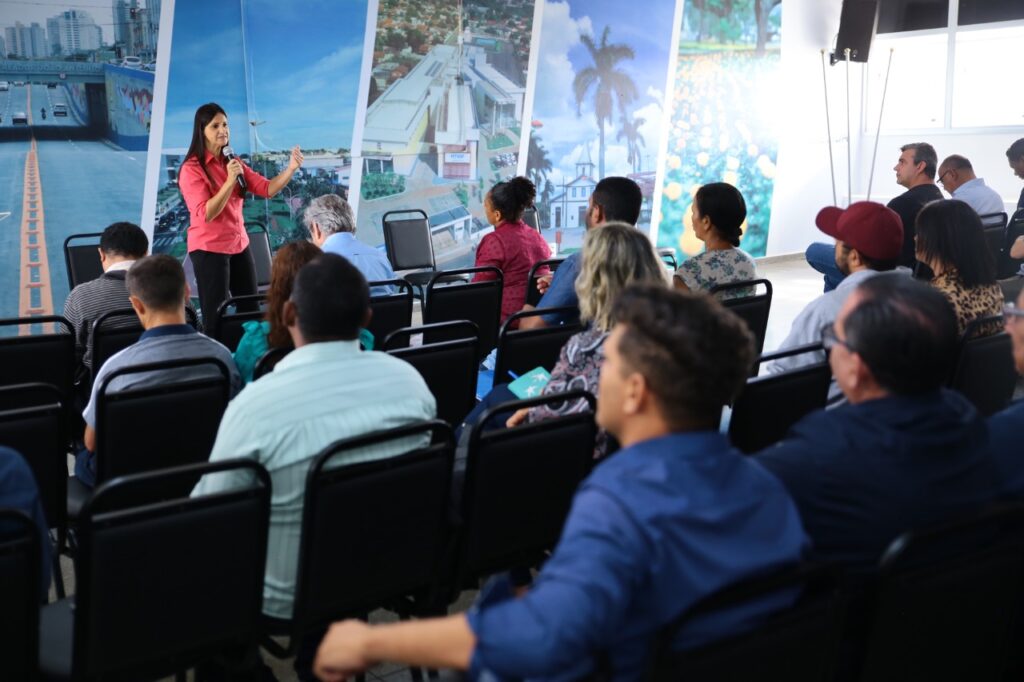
(753, 309)
(769, 405)
(262, 253)
(449, 368)
(20, 578)
(668, 257)
(390, 311)
(112, 332)
(478, 302)
(530, 218)
(798, 643)
(82, 260)
(34, 422)
(984, 370)
(159, 426)
(226, 325)
(532, 295)
(268, 361)
(399, 549)
(520, 351)
(947, 600)
(47, 357)
(994, 219)
(408, 241)
(510, 513)
(160, 586)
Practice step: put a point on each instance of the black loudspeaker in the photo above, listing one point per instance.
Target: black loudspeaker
(856, 30)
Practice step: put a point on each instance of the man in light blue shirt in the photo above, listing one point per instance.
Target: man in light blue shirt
(325, 390)
(956, 175)
(332, 227)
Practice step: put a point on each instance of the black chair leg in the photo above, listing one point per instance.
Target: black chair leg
(416, 674)
(58, 574)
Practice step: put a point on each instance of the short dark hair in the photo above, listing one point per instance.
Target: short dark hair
(331, 299)
(926, 153)
(124, 239)
(906, 333)
(876, 264)
(620, 199)
(158, 281)
(694, 354)
(950, 231)
(512, 197)
(956, 162)
(724, 205)
(1016, 150)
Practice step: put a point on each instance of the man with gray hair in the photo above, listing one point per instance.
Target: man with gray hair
(332, 227)
(956, 175)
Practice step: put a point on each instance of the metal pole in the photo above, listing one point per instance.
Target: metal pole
(849, 157)
(878, 130)
(828, 128)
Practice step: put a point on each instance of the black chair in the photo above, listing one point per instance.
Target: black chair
(34, 422)
(519, 351)
(947, 599)
(532, 295)
(114, 331)
(409, 245)
(226, 326)
(268, 361)
(47, 357)
(799, 643)
(262, 253)
(20, 577)
(449, 368)
(753, 309)
(984, 370)
(390, 311)
(769, 405)
(668, 257)
(530, 218)
(155, 426)
(348, 569)
(518, 486)
(161, 586)
(994, 219)
(82, 260)
(478, 302)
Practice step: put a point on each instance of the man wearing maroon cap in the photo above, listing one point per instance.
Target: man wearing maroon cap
(869, 238)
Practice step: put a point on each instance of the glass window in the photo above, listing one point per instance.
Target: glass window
(895, 16)
(917, 83)
(984, 11)
(980, 93)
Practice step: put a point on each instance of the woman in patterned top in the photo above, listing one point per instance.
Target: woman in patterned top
(951, 241)
(614, 257)
(717, 212)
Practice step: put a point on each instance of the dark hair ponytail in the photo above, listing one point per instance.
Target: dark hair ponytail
(513, 197)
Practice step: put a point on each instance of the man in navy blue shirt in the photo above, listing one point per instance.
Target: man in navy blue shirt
(904, 452)
(18, 491)
(1006, 429)
(674, 516)
(613, 199)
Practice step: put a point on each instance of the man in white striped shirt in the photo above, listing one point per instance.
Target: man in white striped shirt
(325, 390)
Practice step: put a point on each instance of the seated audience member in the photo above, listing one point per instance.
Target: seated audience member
(325, 390)
(951, 242)
(868, 237)
(675, 515)
(332, 227)
(18, 491)
(1006, 427)
(956, 175)
(718, 212)
(261, 336)
(1015, 156)
(514, 247)
(120, 246)
(614, 257)
(904, 452)
(614, 199)
(157, 291)
(915, 170)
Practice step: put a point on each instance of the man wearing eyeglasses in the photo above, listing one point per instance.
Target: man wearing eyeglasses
(903, 452)
(1006, 427)
(956, 175)
(1015, 156)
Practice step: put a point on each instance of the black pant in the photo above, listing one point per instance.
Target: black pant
(220, 275)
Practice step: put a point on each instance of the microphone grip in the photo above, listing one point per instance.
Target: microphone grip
(240, 181)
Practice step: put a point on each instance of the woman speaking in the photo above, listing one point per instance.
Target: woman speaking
(213, 182)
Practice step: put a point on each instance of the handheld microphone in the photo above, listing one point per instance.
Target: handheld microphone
(229, 154)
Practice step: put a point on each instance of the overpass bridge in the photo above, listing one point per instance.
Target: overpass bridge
(45, 71)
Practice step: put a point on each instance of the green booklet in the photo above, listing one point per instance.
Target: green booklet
(530, 384)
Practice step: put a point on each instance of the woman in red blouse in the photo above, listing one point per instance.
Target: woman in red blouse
(514, 247)
(217, 242)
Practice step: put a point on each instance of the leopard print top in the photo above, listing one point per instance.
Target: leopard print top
(971, 303)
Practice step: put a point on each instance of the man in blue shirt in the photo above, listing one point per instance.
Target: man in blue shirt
(674, 516)
(904, 452)
(613, 199)
(1006, 428)
(332, 227)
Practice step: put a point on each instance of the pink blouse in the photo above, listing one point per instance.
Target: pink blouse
(513, 248)
(225, 233)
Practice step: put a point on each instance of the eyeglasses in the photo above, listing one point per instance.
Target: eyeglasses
(830, 340)
(1012, 313)
(944, 175)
